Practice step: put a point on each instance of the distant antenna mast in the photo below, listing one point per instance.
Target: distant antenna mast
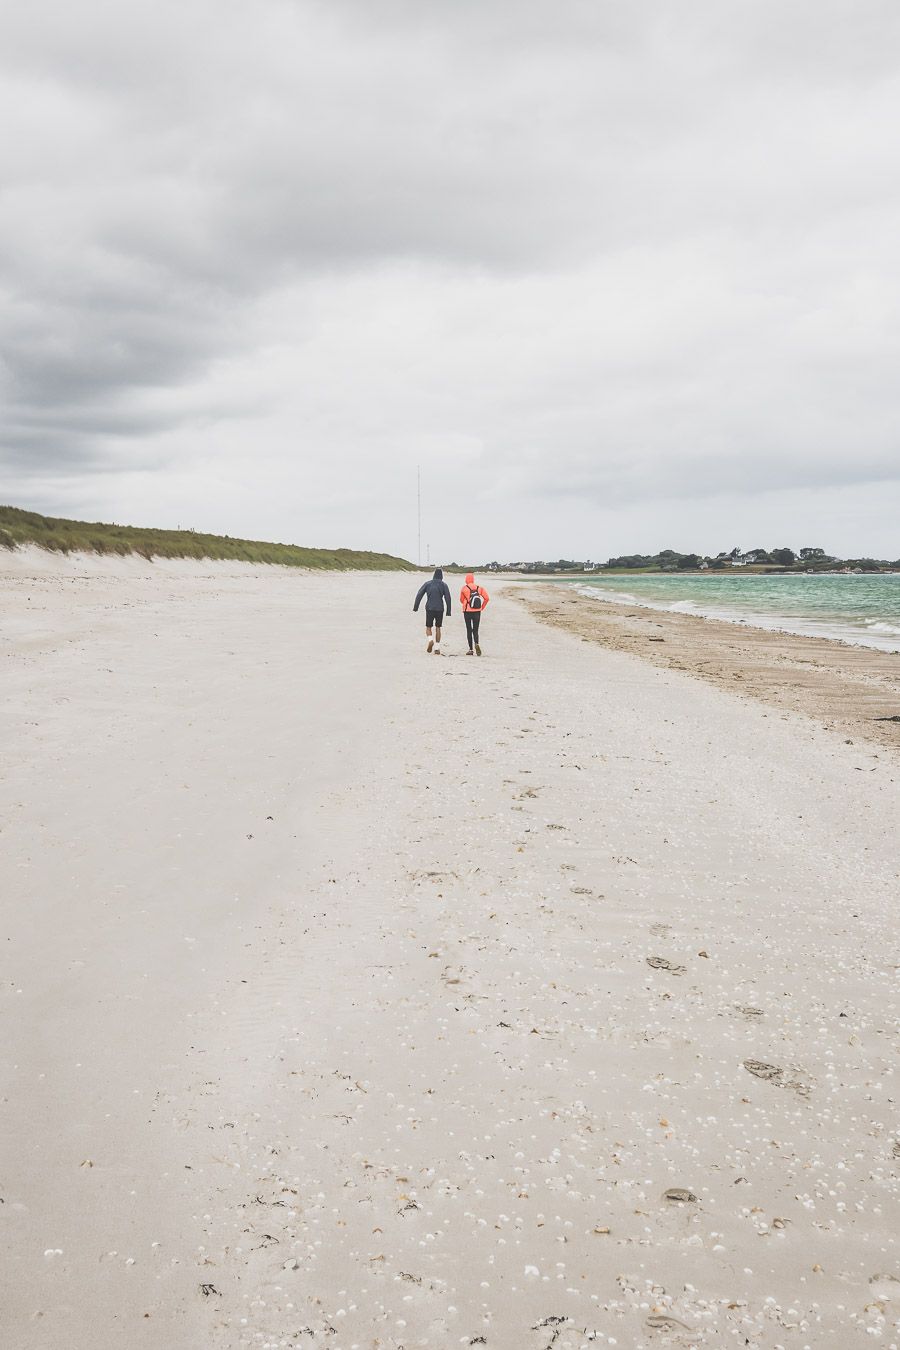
(419, 512)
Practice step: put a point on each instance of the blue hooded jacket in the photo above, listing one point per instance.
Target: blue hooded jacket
(438, 594)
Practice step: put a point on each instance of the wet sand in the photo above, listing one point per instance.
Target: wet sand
(853, 690)
(358, 998)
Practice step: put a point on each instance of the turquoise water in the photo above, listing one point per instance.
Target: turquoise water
(864, 610)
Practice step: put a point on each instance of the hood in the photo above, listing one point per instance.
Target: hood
(438, 574)
(470, 579)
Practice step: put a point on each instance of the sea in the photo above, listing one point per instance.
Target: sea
(860, 609)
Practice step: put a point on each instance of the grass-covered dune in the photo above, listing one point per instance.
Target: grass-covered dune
(77, 536)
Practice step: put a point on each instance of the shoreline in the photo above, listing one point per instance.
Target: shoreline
(831, 628)
(842, 686)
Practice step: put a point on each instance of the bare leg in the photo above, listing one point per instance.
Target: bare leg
(430, 640)
(437, 639)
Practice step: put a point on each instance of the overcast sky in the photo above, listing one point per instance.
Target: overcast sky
(619, 275)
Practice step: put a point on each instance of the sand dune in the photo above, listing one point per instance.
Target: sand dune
(359, 998)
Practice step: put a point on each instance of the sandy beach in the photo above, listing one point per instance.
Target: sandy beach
(851, 689)
(361, 999)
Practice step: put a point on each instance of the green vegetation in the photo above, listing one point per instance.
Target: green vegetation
(668, 560)
(71, 536)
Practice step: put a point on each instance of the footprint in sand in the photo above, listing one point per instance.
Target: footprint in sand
(746, 1010)
(795, 1079)
(886, 1288)
(660, 963)
(760, 1069)
(663, 1321)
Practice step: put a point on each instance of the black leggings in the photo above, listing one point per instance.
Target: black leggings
(473, 619)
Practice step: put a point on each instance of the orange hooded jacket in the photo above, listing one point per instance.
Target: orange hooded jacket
(465, 596)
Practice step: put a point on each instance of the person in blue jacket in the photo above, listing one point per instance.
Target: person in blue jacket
(436, 595)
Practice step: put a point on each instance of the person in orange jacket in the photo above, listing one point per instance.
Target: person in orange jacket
(474, 600)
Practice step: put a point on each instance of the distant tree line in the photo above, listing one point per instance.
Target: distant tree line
(670, 560)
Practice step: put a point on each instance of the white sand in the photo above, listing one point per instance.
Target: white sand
(331, 959)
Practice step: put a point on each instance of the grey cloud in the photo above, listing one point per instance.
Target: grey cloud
(616, 479)
(705, 192)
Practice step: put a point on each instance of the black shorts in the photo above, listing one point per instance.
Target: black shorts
(434, 618)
